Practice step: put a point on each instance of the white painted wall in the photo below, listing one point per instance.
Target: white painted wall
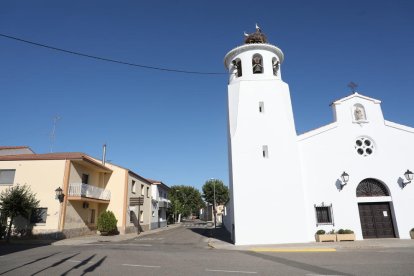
(326, 154)
(267, 193)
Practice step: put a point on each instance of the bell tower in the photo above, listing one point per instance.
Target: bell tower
(267, 197)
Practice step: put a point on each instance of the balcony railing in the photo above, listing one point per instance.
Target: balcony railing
(164, 203)
(86, 190)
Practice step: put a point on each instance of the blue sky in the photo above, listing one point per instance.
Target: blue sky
(172, 126)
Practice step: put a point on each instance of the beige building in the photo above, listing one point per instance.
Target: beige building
(89, 188)
(83, 181)
(129, 190)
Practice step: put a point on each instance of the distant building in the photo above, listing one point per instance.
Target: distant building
(13, 150)
(352, 173)
(160, 204)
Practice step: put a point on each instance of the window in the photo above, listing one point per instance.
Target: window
(141, 216)
(92, 216)
(148, 192)
(7, 176)
(85, 178)
(132, 217)
(257, 63)
(265, 152)
(38, 215)
(364, 146)
(142, 189)
(159, 194)
(153, 213)
(237, 67)
(261, 107)
(275, 65)
(133, 187)
(323, 214)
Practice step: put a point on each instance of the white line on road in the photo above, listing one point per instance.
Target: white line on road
(231, 271)
(123, 244)
(150, 266)
(76, 261)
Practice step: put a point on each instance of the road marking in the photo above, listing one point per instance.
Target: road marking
(123, 244)
(149, 239)
(231, 271)
(76, 261)
(287, 250)
(149, 266)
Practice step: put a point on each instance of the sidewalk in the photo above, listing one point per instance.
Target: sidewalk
(116, 238)
(220, 239)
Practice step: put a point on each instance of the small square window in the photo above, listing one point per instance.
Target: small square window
(324, 214)
(148, 192)
(261, 107)
(265, 152)
(7, 176)
(38, 215)
(142, 189)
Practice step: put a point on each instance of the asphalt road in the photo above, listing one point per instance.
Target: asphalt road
(184, 251)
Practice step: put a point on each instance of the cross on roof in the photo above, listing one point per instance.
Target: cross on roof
(353, 86)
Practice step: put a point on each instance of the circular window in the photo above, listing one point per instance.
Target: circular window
(364, 146)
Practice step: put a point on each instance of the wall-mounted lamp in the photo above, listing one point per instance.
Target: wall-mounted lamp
(345, 178)
(59, 194)
(409, 176)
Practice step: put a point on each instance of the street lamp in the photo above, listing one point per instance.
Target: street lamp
(345, 179)
(59, 194)
(214, 201)
(409, 176)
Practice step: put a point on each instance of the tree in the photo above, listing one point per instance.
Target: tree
(185, 200)
(221, 192)
(17, 201)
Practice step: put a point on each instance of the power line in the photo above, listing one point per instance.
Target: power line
(110, 60)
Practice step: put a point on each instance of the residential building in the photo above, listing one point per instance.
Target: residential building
(160, 204)
(13, 150)
(132, 199)
(82, 179)
(353, 173)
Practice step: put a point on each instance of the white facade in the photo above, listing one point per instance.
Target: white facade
(160, 204)
(277, 178)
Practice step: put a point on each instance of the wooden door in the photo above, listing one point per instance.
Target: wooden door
(376, 220)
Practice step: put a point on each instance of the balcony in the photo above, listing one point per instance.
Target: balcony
(81, 191)
(164, 203)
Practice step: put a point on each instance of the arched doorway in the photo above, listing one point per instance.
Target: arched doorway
(376, 218)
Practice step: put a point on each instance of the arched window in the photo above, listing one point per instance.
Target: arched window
(257, 62)
(275, 66)
(371, 187)
(237, 66)
(359, 112)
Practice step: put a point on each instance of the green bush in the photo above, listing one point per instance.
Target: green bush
(345, 231)
(320, 232)
(107, 223)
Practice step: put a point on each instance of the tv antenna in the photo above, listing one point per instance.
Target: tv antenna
(53, 132)
(353, 86)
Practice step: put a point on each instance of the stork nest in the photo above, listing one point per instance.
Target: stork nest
(257, 37)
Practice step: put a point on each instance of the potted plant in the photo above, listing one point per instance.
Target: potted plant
(412, 233)
(321, 236)
(345, 235)
(107, 223)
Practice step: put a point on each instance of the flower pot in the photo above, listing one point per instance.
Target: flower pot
(345, 237)
(412, 234)
(325, 237)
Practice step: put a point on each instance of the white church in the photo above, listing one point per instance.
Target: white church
(353, 173)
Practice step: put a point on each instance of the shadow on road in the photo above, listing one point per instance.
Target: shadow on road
(219, 233)
(8, 248)
(28, 263)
